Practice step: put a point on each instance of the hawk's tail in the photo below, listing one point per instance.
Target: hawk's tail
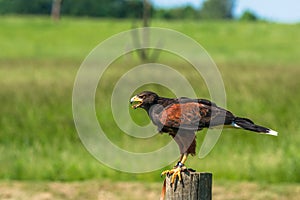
(247, 124)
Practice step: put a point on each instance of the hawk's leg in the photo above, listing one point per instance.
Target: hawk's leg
(178, 168)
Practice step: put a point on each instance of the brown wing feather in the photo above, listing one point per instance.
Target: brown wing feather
(194, 116)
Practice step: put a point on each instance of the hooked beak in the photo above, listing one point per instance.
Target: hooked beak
(136, 101)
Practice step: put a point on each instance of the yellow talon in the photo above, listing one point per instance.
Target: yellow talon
(179, 175)
(166, 172)
(176, 172)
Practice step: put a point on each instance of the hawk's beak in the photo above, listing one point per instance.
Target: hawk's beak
(136, 101)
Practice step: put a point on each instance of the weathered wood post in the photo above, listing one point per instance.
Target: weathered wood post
(196, 186)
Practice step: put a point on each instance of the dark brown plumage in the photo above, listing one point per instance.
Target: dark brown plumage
(182, 117)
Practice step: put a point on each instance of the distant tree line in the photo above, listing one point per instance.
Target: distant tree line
(211, 9)
(93, 8)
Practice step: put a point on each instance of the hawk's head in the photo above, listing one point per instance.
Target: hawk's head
(144, 99)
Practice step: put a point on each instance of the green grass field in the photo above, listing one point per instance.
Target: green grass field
(39, 59)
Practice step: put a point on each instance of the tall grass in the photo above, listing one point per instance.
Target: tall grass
(38, 64)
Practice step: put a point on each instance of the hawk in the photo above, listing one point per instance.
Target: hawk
(182, 117)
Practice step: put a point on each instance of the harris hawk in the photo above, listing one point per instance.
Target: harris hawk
(182, 117)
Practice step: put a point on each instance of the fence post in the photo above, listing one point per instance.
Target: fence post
(196, 186)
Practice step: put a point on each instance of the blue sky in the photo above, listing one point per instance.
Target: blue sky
(285, 11)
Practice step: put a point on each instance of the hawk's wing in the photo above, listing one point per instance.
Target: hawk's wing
(191, 114)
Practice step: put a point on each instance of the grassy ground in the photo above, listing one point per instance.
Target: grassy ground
(38, 64)
(135, 190)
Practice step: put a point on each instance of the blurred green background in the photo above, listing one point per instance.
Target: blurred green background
(39, 58)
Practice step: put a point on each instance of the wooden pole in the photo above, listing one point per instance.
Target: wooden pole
(196, 186)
